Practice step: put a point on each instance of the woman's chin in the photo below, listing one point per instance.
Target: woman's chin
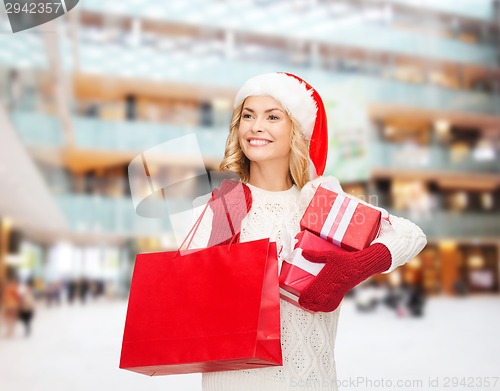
(266, 157)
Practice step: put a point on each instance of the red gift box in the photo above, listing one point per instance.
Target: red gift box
(297, 272)
(215, 309)
(344, 221)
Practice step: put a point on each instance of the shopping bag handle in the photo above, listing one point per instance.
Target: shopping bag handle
(231, 242)
(197, 223)
(193, 229)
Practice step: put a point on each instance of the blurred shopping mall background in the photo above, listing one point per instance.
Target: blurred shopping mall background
(412, 89)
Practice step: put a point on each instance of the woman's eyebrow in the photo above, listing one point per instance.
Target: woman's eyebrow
(267, 111)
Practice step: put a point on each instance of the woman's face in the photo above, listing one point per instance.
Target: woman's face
(265, 130)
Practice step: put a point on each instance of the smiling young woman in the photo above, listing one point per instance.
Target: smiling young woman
(277, 143)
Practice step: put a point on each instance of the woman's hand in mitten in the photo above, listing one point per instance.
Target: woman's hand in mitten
(343, 270)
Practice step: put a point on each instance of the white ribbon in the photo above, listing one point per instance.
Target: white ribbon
(296, 259)
(290, 295)
(339, 232)
(335, 187)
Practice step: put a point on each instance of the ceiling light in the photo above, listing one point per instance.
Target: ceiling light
(447, 245)
(442, 128)
(389, 130)
(484, 151)
(7, 223)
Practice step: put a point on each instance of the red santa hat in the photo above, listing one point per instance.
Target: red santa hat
(302, 102)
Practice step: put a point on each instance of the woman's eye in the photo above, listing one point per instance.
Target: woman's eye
(273, 117)
(247, 116)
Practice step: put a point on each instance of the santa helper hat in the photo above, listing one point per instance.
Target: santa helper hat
(302, 102)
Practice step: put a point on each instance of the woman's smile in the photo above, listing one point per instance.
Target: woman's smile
(258, 142)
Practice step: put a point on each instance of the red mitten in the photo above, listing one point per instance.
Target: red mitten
(230, 204)
(343, 270)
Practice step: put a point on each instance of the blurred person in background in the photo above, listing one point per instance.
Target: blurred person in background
(368, 296)
(460, 287)
(71, 290)
(276, 143)
(406, 299)
(83, 289)
(15, 90)
(27, 306)
(416, 300)
(396, 298)
(11, 301)
(53, 293)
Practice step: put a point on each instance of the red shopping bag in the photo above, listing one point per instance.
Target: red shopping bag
(209, 310)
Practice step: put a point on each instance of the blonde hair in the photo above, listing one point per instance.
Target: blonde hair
(235, 160)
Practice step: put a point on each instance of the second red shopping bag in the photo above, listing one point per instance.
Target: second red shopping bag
(209, 310)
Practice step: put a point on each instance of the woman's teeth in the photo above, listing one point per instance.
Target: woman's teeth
(258, 142)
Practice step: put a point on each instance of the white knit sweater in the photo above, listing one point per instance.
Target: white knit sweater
(307, 339)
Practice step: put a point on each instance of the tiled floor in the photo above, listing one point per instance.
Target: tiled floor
(457, 343)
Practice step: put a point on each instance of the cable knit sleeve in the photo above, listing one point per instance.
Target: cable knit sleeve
(403, 238)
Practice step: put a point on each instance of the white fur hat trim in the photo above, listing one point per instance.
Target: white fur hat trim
(291, 93)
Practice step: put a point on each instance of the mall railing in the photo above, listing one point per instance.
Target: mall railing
(322, 26)
(137, 135)
(39, 129)
(427, 96)
(478, 9)
(116, 215)
(454, 225)
(410, 156)
(91, 133)
(180, 65)
(381, 88)
(113, 215)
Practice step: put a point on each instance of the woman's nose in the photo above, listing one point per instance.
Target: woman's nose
(257, 126)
